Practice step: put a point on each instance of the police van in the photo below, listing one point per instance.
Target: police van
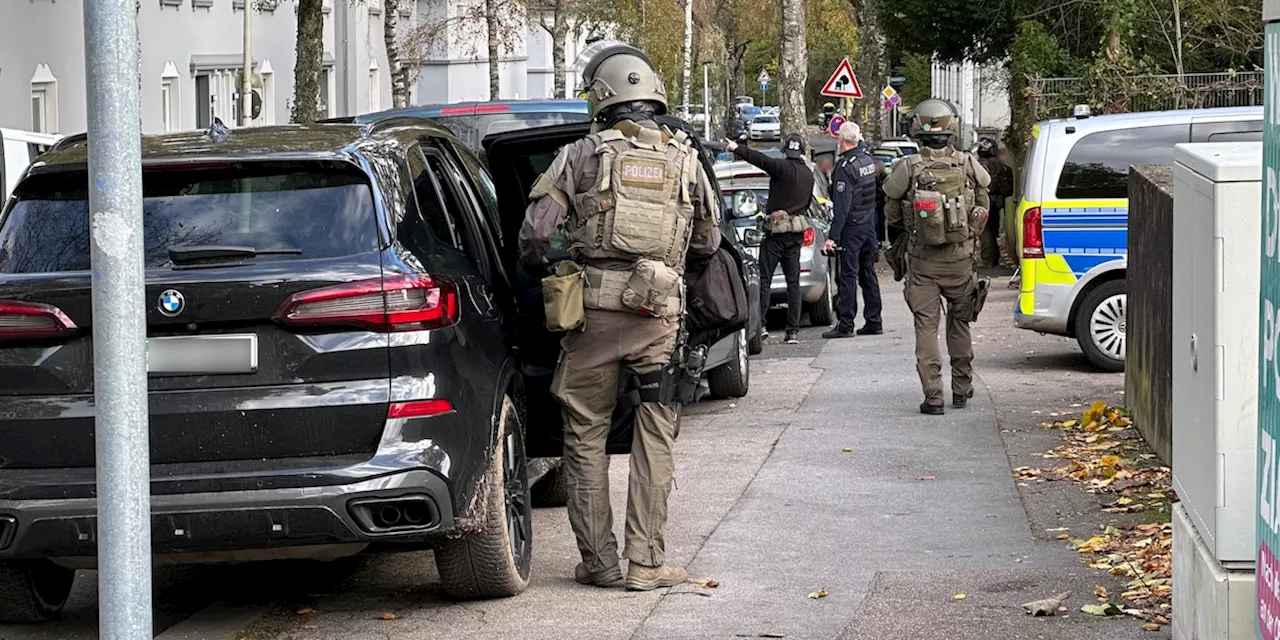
(1074, 213)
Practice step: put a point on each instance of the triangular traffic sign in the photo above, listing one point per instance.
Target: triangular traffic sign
(843, 84)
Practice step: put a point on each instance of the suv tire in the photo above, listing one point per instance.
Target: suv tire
(1100, 326)
(755, 346)
(553, 489)
(494, 562)
(822, 313)
(33, 590)
(733, 378)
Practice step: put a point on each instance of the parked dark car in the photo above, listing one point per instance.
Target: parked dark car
(473, 121)
(327, 350)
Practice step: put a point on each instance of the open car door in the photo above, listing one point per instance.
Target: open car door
(516, 159)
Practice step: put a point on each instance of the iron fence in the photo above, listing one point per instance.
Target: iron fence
(1054, 97)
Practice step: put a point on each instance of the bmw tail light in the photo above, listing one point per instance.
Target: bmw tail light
(400, 303)
(1032, 234)
(33, 321)
(809, 237)
(419, 409)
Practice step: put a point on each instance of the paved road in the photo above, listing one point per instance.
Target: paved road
(770, 505)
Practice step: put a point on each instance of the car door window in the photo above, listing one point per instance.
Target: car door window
(459, 201)
(1098, 165)
(484, 187)
(1237, 131)
(434, 206)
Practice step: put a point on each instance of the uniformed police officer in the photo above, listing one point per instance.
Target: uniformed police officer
(854, 229)
(940, 197)
(633, 201)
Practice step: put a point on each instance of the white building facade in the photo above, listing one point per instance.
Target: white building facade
(192, 54)
(980, 92)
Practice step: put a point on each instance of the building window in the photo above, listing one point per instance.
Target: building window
(375, 87)
(268, 92)
(170, 98)
(204, 102)
(44, 100)
(323, 106)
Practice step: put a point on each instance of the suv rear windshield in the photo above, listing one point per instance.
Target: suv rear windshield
(472, 129)
(301, 210)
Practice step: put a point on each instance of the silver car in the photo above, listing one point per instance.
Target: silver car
(816, 276)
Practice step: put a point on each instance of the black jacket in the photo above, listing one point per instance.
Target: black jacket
(790, 180)
(854, 193)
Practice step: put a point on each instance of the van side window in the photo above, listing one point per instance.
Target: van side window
(1238, 131)
(1098, 166)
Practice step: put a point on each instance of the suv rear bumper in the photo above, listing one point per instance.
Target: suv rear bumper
(208, 524)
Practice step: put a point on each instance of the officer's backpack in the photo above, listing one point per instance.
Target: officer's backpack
(942, 200)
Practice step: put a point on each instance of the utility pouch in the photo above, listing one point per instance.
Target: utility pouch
(783, 222)
(689, 374)
(562, 297)
(931, 218)
(957, 215)
(654, 289)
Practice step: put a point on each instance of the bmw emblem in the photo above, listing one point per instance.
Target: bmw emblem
(171, 303)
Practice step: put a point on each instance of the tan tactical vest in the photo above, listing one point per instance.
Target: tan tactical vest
(640, 212)
(938, 206)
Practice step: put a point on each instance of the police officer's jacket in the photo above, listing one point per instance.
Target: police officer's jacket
(790, 180)
(854, 193)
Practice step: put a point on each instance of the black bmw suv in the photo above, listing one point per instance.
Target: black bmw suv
(336, 359)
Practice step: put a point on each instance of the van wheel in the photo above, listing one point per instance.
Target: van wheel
(732, 379)
(495, 561)
(822, 313)
(1100, 326)
(553, 489)
(33, 590)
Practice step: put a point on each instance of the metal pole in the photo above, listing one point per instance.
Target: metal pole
(706, 104)
(246, 81)
(119, 320)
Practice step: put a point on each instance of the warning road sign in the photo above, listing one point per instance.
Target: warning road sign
(763, 78)
(843, 84)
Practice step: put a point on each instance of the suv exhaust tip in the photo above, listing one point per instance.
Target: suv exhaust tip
(393, 515)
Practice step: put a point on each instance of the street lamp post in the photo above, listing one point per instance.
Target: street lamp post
(706, 103)
(246, 77)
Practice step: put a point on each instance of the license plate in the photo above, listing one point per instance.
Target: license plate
(203, 355)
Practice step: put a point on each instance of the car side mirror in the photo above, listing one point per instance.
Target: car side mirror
(742, 137)
(752, 237)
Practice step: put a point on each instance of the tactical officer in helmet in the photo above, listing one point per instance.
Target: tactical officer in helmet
(1001, 188)
(939, 196)
(630, 201)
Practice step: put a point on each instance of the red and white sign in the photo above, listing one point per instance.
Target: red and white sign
(843, 84)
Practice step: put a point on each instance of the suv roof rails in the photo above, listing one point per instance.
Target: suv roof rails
(68, 141)
(397, 121)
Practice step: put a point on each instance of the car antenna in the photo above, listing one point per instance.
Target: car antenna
(218, 132)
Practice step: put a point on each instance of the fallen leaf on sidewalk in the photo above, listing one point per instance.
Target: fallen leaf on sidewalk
(820, 593)
(305, 611)
(1100, 591)
(387, 615)
(927, 478)
(1048, 606)
(1063, 536)
(848, 449)
(1107, 609)
(1150, 626)
(959, 596)
(707, 583)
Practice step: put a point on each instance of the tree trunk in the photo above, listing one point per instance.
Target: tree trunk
(793, 69)
(559, 33)
(390, 38)
(687, 86)
(495, 37)
(306, 73)
(871, 67)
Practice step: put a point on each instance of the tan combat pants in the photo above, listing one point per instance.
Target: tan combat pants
(586, 383)
(928, 283)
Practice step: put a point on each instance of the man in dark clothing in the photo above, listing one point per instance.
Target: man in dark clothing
(790, 193)
(1000, 189)
(854, 228)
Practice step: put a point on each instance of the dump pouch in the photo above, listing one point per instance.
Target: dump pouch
(654, 289)
(562, 297)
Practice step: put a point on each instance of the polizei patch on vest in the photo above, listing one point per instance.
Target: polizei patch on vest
(643, 173)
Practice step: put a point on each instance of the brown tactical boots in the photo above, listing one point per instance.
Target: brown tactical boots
(605, 578)
(641, 578)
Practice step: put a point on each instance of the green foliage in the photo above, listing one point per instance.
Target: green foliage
(918, 70)
(1035, 52)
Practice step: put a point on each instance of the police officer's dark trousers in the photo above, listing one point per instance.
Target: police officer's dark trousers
(784, 249)
(858, 270)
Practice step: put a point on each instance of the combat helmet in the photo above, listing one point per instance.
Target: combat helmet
(935, 123)
(615, 73)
